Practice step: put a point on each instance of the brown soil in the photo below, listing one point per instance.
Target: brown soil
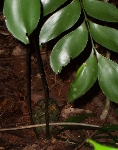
(13, 100)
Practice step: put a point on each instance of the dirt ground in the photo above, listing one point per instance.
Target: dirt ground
(13, 99)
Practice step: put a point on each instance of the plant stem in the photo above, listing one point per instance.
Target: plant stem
(46, 92)
(35, 44)
(105, 110)
(28, 65)
(87, 24)
(28, 68)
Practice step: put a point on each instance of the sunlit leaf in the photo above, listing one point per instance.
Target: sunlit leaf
(108, 77)
(68, 47)
(106, 36)
(51, 5)
(101, 10)
(98, 146)
(22, 17)
(60, 21)
(85, 78)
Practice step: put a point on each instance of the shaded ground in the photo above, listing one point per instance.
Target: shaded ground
(13, 101)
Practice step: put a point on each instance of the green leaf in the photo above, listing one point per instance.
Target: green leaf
(117, 112)
(108, 77)
(60, 21)
(111, 127)
(51, 5)
(22, 17)
(68, 47)
(79, 118)
(98, 146)
(74, 119)
(85, 78)
(106, 36)
(101, 10)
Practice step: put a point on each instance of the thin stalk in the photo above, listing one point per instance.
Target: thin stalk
(28, 68)
(90, 126)
(46, 92)
(28, 76)
(105, 110)
(87, 24)
(35, 44)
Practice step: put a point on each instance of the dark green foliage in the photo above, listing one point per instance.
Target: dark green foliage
(23, 17)
(21, 22)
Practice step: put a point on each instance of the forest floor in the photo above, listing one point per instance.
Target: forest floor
(13, 100)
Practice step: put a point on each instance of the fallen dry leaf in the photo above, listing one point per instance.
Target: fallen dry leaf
(67, 112)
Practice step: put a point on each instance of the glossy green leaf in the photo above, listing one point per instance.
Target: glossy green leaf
(60, 21)
(101, 10)
(85, 78)
(108, 77)
(22, 17)
(51, 5)
(68, 47)
(106, 36)
(98, 146)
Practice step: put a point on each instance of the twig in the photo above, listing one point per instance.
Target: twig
(52, 124)
(106, 109)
